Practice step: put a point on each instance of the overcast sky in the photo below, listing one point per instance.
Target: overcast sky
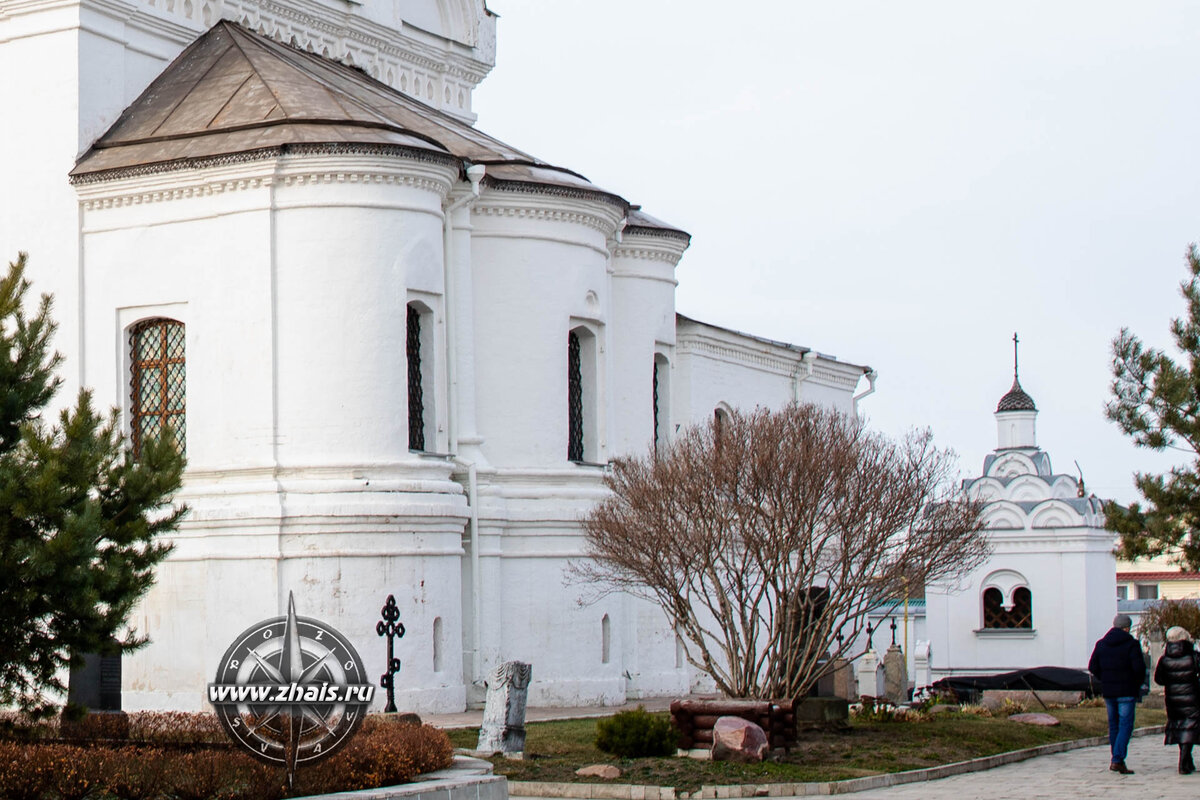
(897, 184)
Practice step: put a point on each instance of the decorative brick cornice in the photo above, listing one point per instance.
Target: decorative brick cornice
(659, 233)
(249, 156)
(221, 180)
(594, 221)
(783, 363)
(555, 190)
(648, 254)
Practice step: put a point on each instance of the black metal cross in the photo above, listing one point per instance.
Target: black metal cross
(393, 630)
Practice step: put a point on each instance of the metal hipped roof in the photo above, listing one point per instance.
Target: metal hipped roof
(234, 91)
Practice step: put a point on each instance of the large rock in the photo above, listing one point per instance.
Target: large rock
(736, 739)
(1035, 719)
(606, 771)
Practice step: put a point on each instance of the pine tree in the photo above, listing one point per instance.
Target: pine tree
(1156, 402)
(80, 518)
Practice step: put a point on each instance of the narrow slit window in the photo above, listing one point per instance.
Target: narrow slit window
(574, 398)
(157, 382)
(657, 436)
(416, 388)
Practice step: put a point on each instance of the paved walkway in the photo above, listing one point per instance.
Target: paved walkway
(1079, 773)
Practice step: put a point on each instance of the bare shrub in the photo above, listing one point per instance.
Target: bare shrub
(137, 773)
(382, 754)
(1164, 614)
(766, 535)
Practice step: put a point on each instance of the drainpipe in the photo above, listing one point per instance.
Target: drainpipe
(804, 371)
(871, 376)
(475, 174)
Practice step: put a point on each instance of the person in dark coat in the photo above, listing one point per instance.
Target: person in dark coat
(1119, 664)
(1178, 672)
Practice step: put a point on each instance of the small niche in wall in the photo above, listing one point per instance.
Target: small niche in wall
(437, 644)
(605, 639)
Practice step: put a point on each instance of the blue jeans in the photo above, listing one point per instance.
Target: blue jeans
(1120, 725)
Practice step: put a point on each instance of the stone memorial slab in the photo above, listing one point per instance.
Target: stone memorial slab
(503, 729)
(895, 675)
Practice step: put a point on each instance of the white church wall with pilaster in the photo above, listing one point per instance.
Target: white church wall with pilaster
(291, 275)
(723, 369)
(289, 490)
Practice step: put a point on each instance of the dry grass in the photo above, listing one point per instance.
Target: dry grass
(554, 750)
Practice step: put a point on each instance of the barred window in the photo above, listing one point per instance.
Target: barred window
(657, 437)
(574, 398)
(158, 382)
(995, 615)
(416, 389)
(661, 398)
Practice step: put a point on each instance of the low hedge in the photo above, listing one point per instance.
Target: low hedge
(381, 754)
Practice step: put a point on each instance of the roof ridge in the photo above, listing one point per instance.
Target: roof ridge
(184, 96)
(234, 30)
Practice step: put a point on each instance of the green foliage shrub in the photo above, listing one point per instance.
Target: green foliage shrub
(637, 734)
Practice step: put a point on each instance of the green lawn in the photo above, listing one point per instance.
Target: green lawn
(554, 750)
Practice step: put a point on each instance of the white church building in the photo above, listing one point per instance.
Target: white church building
(1046, 594)
(400, 351)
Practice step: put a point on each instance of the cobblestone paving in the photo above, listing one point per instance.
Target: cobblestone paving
(1079, 773)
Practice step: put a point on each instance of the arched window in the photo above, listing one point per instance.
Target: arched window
(605, 639)
(157, 382)
(1018, 615)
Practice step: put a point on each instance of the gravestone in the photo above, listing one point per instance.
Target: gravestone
(96, 683)
(503, 729)
(870, 675)
(845, 684)
(922, 673)
(895, 675)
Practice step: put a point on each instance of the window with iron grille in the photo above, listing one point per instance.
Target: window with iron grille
(416, 394)
(1019, 616)
(574, 398)
(656, 433)
(158, 382)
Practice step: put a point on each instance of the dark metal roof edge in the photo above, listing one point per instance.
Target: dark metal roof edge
(666, 233)
(246, 156)
(556, 190)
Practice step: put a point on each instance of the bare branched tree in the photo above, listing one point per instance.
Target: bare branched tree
(768, 537)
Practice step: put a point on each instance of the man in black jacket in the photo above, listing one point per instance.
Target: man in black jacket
(1118, 663)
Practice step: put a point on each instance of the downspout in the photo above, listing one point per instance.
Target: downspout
(871, 376)
(804, 371)
(475, 174)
